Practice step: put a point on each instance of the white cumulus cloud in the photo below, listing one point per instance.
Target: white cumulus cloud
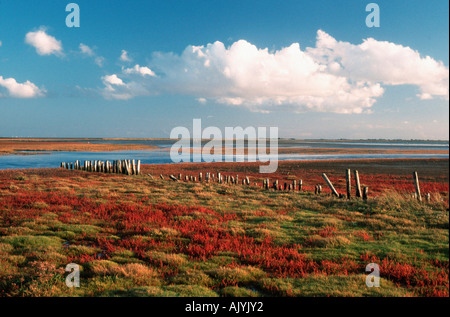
(384, 62)
(332, 77)
(21, 90)
(142, 70)
(43, 43)
(124, 57)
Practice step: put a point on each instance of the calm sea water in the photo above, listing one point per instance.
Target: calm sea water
(162, 155)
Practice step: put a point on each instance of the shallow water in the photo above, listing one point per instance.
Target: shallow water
(54, 159)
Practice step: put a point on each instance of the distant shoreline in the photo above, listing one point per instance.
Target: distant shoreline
(31, 147)
(36, 146)
(36, 139)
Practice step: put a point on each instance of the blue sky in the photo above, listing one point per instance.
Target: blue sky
(230, 63)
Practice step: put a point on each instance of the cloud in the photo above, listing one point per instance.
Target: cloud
(115, 88)
(334, 76)
(384, 62)
(43, 43)
(142, 70)
(124, 57)
(113, 80)
(88, 51)
(21, 90)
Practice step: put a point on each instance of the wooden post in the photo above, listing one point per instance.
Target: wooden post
(247, 180)
(133, 167)
(365, 192)
(160, 175)
(319, 189)
(428, 197)
(417, 185)
(199, 177)
(179, 176)
(333, 190)
(173, 178)
(357, 183)
(349, 183)
(294, 184)
(300, 185)
(138, 168)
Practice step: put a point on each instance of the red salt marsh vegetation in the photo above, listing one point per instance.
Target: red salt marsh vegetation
(147, 236)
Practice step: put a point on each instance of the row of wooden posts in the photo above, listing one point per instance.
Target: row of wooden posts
(133, 167)
(127, 167)
(294, 186)
(361, 192)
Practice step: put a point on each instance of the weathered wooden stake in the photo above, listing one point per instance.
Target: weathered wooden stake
(349, 183)
(333, 190)
(365, 192)
(300, 185)
(417, 185)
(133, 167)
(357, 183)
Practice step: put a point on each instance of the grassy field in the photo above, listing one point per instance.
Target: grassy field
(145, 236)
